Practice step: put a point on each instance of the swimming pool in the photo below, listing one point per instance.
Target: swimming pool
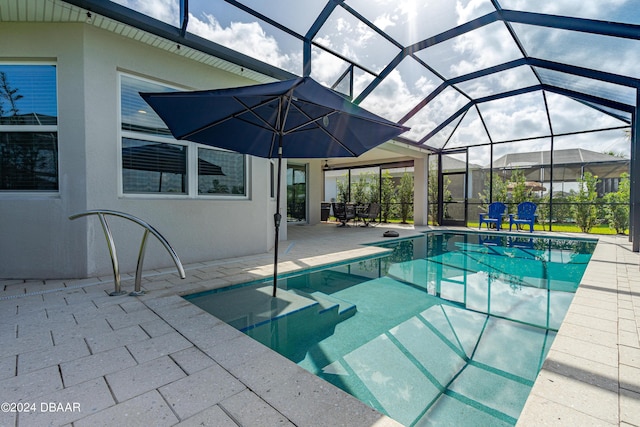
(446, 329)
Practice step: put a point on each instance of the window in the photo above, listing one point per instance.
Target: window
(153, 167)
(220, 172)
(28, 128)
(155, 163)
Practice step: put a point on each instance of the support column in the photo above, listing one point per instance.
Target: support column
(440, 192)
(421, 191)
(306, 58)
(634, 177)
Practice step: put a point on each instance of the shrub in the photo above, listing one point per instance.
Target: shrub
(584, 208)
(405, 196)
(388, 196)
(617, 206)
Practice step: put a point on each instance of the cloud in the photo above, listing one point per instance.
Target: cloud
(434, 113)
(578, 8)
(470, 132)
(326, 68)
(472, 9)
(385, 21)
(600, 142)
(353, 39)
(568, 115)
(482, 48)
(163, 10)
(391, 99)
(248, 38)
(496, 83)
(517, 117)
(611, 54)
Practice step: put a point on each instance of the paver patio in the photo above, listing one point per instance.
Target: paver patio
(159, 360)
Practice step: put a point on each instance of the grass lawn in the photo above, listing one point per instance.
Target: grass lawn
(565, 228)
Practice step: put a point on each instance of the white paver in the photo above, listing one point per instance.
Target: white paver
(159, 360)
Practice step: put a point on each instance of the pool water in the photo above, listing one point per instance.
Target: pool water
(446, 329)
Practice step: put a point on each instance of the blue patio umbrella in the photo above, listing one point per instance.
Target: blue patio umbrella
(296, 118)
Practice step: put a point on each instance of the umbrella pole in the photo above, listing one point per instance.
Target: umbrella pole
(276, 220)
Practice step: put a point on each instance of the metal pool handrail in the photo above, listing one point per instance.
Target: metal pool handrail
(143, 244)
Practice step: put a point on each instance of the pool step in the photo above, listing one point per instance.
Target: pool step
(328, 303)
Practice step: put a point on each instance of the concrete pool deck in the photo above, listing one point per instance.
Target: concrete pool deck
(72, 355)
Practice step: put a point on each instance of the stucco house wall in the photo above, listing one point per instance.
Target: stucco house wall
(37, 238)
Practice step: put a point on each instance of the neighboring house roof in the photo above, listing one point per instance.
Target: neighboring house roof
(560, 157)
(450, 163)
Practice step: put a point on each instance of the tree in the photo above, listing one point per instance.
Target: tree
(10, 95)
(561, 207)
(584, 208)
(373, 195)
(617, 206)
(543, 210)
(359, 190)
(388, 196)
(518, 185)
(342, 185)
(432, 189)
(499, 191)
(405, 196)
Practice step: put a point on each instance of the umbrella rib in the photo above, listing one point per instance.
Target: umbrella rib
(361, 117)
(256, 115)
(311, 120)
(307, 123)
(236, 115)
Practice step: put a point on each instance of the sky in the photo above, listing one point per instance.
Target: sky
(411, 21)
(33, 89)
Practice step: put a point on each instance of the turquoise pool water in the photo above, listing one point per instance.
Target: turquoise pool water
(447, 329)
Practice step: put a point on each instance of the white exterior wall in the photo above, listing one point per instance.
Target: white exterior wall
(37, 238)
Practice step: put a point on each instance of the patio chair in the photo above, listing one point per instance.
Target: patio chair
(344, 212)
(492, 240)
(520, 242)
(494, 216)
(526, 216)
(371, 212)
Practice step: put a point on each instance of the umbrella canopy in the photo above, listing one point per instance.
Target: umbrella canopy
(296, 118)
(314, 121)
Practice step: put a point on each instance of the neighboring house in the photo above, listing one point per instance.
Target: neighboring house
(569, 165)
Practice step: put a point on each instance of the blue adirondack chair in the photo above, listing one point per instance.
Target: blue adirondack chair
(526, 216)
(494, 216)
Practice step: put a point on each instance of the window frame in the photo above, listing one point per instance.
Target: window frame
(152, 138)
(192, 173)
